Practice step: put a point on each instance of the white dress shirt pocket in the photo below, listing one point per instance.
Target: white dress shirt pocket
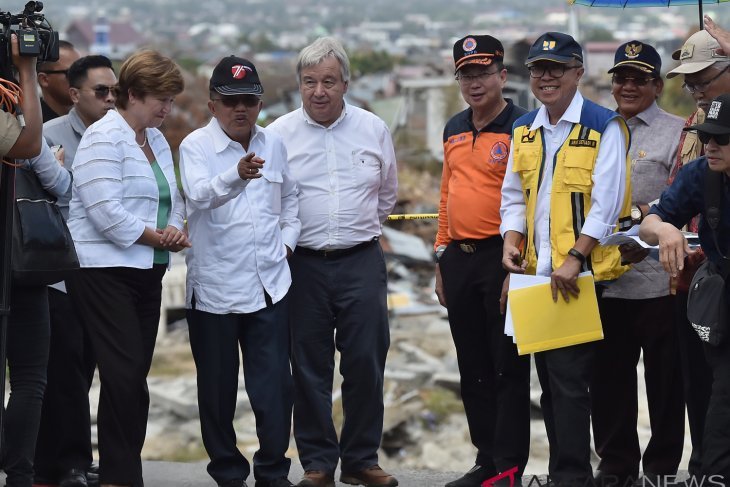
(365, 168)
(274, 180)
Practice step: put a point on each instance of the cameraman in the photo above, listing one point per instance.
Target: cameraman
(28, 332)
(17, 141)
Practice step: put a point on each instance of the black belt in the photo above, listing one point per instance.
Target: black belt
(472, 246)
(334, 253)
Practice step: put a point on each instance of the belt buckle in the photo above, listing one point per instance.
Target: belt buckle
(468, 248)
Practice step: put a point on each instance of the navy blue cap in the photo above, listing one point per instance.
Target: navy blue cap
(637, 55)
(556, 47)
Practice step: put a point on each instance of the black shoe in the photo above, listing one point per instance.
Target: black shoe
(280, 482)
(74, 478)
(473, 478)
(92, 475)
(604, 479)
(233, 483)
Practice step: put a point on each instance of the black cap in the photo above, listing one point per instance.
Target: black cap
(638, 55)
(556, 47)
(235, 76)
(473, 49)
(717, 120)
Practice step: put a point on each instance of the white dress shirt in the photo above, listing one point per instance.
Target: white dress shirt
(238, 228)
(346, 175)
(609, 183)
(115, 194)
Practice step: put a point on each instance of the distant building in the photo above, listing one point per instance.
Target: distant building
(114, 39)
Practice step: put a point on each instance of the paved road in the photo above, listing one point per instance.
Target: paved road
(169, 474)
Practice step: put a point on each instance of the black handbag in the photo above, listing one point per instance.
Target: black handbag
(707, 306)
(43, 250)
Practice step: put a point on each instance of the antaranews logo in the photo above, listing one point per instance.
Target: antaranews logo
(653, 481)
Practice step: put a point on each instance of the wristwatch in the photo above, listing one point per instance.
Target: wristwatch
(578, 255)
(636, 214)
(439, 251)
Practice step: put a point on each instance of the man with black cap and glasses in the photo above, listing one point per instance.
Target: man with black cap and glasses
(636, 310)
(684, 199)
(566, 186)
(242, 216)
(704, 65)
(495, 381)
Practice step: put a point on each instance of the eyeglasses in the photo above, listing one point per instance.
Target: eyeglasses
(482, 76)
(232, 101)
(702, 86)
(622, 80)
(556, 71)
(721, 139)
(102, 91)
(56, 71)
(310, 84)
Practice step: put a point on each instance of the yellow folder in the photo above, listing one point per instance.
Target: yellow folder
(541, 324)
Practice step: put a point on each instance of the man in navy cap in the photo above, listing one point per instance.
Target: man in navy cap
(566, 186)
(495, 381)
(242, 215)
(637, 310)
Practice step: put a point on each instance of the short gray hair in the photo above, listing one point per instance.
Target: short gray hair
(320, 49)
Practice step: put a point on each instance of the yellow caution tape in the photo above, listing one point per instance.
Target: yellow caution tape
(414, 216)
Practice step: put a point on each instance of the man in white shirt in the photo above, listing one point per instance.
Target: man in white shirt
(343, 160)
(242, 216)
(565, 187)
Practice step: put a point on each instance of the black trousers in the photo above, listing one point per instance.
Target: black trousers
(716, 436)
(631, 326)
(495, 380)
(263, 338)
(565, 375)
(27, 354)
(339, 303)
(696, 379)
(64, 437)
(119, 308)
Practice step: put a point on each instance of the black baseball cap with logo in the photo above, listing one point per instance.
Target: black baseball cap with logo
(477, 49)
(556, 47)
(637, 55)
(717, 120)
(235, 76)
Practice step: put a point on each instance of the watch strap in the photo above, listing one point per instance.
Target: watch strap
(575, 253)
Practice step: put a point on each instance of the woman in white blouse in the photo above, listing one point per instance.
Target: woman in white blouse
(125, 215)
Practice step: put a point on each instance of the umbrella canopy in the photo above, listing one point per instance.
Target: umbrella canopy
(645, 3)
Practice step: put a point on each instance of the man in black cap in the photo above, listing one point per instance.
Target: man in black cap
(242, 215)
(637, 310)
(684, 199)
(566, 186)
(495, 381)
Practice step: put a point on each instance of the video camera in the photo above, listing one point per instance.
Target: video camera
(36, 37)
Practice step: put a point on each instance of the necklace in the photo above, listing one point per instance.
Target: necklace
(141, 146)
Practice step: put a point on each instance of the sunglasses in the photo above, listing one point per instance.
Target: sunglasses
(622, 80)
(703, 85)
(102, 91)
(722, 139)
(232, 101)
(554, 70)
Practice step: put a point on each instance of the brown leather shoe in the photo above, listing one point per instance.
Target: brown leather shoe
(370, 477)
(316, 478)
